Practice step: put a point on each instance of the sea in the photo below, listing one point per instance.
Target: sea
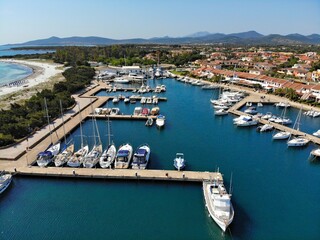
(11, 72)
(275, 189)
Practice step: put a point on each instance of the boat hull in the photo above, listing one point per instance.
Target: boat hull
(5, 184)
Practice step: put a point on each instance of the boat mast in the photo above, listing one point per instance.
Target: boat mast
(47, 113)
(230, 187)
(64, 130)
(80, 122)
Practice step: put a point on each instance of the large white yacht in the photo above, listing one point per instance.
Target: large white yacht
(246, 122)
(78, 157)
(218, 203)
(123, 156)
(141, 157)
(179, 163)
(281, 135)
(93, 156)
(64, 156)
(108, 156)
(298, 142)
(160, 121)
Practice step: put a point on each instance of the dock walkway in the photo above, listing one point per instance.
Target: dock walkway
(148, 174)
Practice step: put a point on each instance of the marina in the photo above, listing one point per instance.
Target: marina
(202, 162)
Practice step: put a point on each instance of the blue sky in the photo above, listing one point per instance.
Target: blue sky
(22, 21)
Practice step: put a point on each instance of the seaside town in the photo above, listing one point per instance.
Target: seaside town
(128, 135)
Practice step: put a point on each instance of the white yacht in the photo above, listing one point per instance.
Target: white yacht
(115, 99)
(5, 180)
(251, 110)
(108, 156)
(121, 80)
(218, 203)
(141, 157)
(46, 157)
(246, 122)
(265, 128)
(115, 111)
(179, 163)
(281, 135)
(160, 121)
(220, 112)
(123, 156)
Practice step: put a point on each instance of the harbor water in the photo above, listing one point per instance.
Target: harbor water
(275, 188)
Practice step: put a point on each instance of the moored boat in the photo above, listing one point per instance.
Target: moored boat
(123, 157)
(160, 121)
(141, 157)
(218, 203)
(108, 156)
(179, 162)
(64, 156)
(46, 157)
(5, 180)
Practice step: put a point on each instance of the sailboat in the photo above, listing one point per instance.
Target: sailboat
(94, 155)
(109, 154)
(68, 149)
(282, 134)
(46, 157)
(77, 158)
(297, 141)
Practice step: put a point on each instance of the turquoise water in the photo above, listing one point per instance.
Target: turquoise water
(275, 188)
(10, 72)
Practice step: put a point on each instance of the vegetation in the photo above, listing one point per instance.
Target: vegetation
(21, 120)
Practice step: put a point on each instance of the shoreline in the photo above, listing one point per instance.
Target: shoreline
(41, 72)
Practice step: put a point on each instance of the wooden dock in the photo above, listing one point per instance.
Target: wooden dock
(128, 174)
(234, 110)
(122, 117)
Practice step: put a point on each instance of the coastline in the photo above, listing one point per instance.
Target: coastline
(41, 72)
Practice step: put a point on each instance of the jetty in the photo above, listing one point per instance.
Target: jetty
(253, 99)
(128, 174)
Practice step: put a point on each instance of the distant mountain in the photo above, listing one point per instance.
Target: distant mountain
(250, 37)
(198, 34)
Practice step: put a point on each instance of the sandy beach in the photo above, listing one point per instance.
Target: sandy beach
(42, 72)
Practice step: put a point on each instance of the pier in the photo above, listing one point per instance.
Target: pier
(235, 110)
(122, 117)
(128, 174)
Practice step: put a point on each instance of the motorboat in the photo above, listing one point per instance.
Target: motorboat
(218, 203)
(315, 153)
(123, 157)
(251, 110)
(143, 100)
(179, 163)
(163, 88)
(155, 110)
(5, 180)
(145, 111)
(137, 111)
(220, 112)
(267, 116)
(246, 122)
(126, 100)
(155, 100)
(115, 111)
(160, 121)
(108, 156)
(241, 117)
(46, 157)
(281, 135)
(317, 133)
(259, 104)
(121, 80)
(115, 99)
(282, 104)
(64, 156)
(248, 104)
(149, 122)
(141, 157)
(149, 100)
(265, 128)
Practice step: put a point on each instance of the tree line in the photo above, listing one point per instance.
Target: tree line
(22, 119)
